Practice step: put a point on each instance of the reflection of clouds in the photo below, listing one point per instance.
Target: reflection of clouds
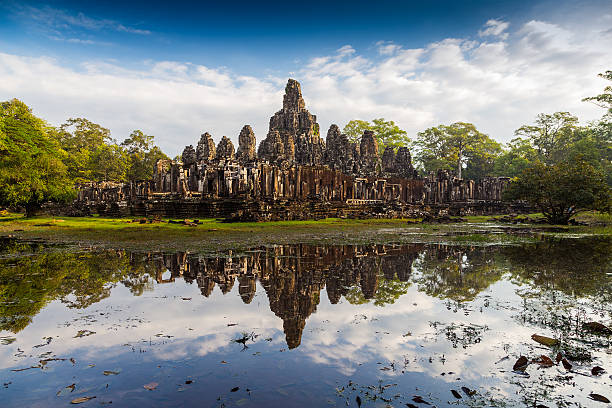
(208, 319)
(344, 344)
(342, 338)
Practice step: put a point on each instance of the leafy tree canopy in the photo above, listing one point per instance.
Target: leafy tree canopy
(512, 161)
(550, 135)
(561, 190)
(455, 147)
(86, 142)
(142, 155)
(31, 167)
(387, 133)
(555, 138)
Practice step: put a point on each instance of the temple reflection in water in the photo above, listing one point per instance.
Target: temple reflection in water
(293, 276)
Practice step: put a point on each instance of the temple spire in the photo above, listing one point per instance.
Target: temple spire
(293, 101)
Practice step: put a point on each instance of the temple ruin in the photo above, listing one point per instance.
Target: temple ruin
(293, 174)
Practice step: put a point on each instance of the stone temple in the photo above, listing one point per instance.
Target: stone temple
(293, 174)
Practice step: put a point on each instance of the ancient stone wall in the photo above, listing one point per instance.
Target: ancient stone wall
(294, 175)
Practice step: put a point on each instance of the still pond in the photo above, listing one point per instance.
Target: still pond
(378, 325)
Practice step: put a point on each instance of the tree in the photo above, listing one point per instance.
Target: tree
(456, 146)
(142, 155)
(561, 190)
(387, 133)
(81, 138)
(517, 157)
(31, 169)
(550, 134)
(108, 162)
(557, 137)
(604, 99)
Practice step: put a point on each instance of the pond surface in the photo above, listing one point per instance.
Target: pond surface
(306, 325)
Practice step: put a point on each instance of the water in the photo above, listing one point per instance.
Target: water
(304, 325)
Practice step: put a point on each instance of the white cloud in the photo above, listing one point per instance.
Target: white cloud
(495, 28)
(61, 20)
(499, 83)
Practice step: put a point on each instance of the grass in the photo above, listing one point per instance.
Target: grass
(215, 235)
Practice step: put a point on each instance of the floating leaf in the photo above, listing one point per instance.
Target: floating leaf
(600, 398)
(566, 364)
(597, 370)
(456, 394)
(545, 361)
(80, 400)
(109, 372)
(597, 328)
(151, 386)
(66, 390)
(5, 341)
(84, 333)
(547, 341)
(420, 400)
(521, 364)
(234, 389)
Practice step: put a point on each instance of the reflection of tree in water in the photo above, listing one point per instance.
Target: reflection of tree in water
(293, 276)
(457, 273)
(576, 267)
(565, 283)
(28, 283)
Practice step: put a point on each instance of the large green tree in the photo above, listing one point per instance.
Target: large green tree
(455, 147)
(561, 190)
(557, 137)
(31, 167)
(82, 139)
(387, 133)
(519, 155)
(108, 162)
(550, 135)
(142, 155)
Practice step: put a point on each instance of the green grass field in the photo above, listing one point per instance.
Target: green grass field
(213, 235)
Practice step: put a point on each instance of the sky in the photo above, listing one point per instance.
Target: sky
(178, 69)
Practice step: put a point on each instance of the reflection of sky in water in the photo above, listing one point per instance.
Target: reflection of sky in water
(172, 334)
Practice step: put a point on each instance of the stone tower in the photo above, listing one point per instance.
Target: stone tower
(246, 145)
(206, 148)
(225, 149)
(298, 130)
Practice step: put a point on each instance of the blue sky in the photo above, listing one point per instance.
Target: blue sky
(177, 69)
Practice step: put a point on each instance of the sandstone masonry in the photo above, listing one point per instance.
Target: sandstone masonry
(294, 175)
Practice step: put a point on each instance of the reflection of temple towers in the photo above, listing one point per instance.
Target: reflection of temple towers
(293, 276)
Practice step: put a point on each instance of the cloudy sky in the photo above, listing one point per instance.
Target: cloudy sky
(175, 69)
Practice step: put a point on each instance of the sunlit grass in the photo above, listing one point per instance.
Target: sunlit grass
(214, 234)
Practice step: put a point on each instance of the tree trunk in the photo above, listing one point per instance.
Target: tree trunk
(32, 209)
(459, 165)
